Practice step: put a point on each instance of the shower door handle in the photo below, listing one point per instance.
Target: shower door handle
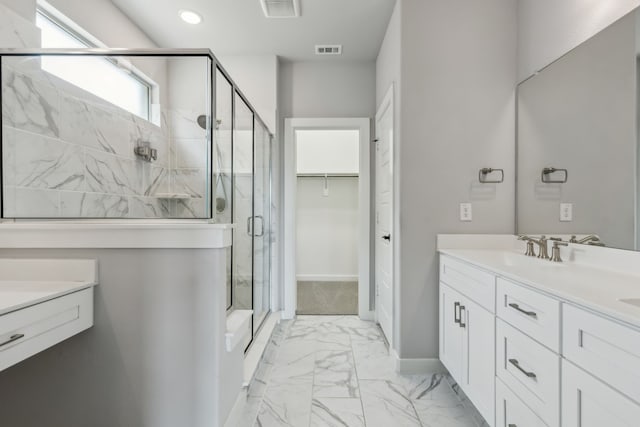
(249, 225)
(261, 225)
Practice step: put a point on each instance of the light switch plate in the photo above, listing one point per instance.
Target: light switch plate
(465, 212)
(566, 212)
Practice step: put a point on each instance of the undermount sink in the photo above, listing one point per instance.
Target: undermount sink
(632, 301)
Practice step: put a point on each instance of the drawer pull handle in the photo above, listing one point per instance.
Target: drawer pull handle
(515, 363)
(11, 339)
(528, 313)
(456, 312)
(461, 323)
(512, 425)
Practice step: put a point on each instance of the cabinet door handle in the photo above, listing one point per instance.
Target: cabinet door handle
(515, 363)
(512, 425)
(456, 312)
(461, 323)
(528, 313)
(11, 339)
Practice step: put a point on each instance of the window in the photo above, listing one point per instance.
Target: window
(111, 79)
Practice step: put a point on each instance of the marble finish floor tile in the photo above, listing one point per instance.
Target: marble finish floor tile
(330, 371)
(328, 412)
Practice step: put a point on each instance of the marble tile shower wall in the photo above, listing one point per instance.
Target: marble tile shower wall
(68, 154)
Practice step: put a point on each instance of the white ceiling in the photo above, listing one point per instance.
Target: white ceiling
(239, 27)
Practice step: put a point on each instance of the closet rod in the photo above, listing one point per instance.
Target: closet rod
(327, 175)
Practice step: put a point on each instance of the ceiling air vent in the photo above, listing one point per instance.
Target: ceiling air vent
(328, 49)
(281, 8)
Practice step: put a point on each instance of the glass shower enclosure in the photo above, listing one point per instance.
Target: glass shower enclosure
(139, 135)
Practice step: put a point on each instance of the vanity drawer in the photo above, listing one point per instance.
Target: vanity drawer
(588, 402)
(470, 281)
(30, 330)
(511, 411)
(531, 312)
(604, 348)
(530, 370)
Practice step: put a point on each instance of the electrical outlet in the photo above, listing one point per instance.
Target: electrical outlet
(465, 212)
(566, 212)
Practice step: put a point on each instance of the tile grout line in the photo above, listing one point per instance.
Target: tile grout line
(313, 381)
(355, 368)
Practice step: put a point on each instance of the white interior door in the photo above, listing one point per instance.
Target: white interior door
(384, 216)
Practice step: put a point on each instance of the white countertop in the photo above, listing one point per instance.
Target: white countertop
(26, 282)
(594, 288)
(15, 295)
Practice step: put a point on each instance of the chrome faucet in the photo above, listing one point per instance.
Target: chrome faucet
(587, 239)
(542, 246)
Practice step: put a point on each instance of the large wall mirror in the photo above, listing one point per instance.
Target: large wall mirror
(578, 141)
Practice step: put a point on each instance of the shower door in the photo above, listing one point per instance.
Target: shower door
(243, 216)
(262, 224)
(251, 213)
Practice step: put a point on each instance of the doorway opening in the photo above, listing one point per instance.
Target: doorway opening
(326, 217)
(327, 165)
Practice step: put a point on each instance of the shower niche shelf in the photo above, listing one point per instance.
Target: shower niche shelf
(175, 196)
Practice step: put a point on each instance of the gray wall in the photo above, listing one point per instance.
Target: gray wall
(579, 113)
(458, 75)
(153, 357)
(327, 89)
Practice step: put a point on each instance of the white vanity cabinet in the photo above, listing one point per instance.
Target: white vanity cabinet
(554, 362)
(32, 329)
(466, 327)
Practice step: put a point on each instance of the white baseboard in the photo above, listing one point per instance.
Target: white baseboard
(326, 278)
(417, 366)
(368, 315)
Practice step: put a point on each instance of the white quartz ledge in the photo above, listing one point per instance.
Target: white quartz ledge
(238, 328)
(26, 282)
(160, 234)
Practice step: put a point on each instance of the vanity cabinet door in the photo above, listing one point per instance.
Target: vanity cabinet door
(450, 331)
(478, 358)
(588, 402)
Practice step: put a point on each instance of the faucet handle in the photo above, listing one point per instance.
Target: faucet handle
(555, 251)
(530, 251)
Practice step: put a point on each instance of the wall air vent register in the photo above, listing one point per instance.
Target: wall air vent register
(323, 49)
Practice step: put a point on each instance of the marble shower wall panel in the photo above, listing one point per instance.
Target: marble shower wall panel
(189, 162)
(78, 150)
(15, 31)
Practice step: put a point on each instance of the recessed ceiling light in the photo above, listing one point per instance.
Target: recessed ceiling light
(190, 17)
